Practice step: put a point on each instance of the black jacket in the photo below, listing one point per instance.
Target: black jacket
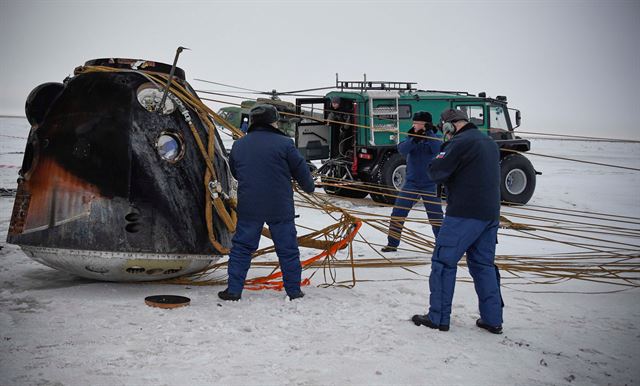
(469, 166)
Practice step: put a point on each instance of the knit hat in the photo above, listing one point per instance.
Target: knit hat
(453, 115)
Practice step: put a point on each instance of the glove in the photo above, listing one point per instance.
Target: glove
(411, 131)
(419, 139)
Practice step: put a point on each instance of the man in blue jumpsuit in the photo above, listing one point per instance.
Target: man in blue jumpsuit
(264, 161)
(418, 151)
(468, 165)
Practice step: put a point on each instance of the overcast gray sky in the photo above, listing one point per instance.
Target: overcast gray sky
(570, 66)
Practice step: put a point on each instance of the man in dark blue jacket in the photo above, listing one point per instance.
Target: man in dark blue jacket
(468, 165)
(418, 150)
(264, 162)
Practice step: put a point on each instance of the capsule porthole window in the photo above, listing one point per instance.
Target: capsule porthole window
(170, 147)
(149, 96)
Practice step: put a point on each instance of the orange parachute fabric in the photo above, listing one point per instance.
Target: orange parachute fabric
(271, 282)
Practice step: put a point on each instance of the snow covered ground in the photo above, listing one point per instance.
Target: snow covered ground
(60, 329)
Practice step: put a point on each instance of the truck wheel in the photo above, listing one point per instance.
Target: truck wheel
(517, 179)
(338, 172)
(392, 174)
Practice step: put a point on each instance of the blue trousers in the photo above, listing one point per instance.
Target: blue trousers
(478, 239)
(405, 201)
(245, 243)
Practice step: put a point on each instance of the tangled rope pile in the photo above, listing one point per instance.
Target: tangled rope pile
(604, 248)
(597, 254)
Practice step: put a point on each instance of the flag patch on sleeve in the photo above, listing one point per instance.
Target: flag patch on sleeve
(441, 155)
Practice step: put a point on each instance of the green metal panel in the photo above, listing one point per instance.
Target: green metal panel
(433, 106)
(363, 134)
(433, 102)
(473, 105)
(248, 104)
(233, 114)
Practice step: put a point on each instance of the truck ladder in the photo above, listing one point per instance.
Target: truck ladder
(391, 126)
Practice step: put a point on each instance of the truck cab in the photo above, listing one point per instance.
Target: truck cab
(378, 115)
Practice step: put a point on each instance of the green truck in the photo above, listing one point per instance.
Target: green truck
(380, 113)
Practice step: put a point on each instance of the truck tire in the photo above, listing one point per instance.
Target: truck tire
(392, 174)
(517, 179)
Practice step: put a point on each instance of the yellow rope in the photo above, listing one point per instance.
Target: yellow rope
(204, 113)
(598, 259)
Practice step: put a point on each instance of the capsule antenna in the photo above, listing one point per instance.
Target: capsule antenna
(173, 69)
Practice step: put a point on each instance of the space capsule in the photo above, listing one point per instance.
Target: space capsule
(119, 184)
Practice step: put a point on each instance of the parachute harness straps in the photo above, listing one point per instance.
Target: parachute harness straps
(183, 98)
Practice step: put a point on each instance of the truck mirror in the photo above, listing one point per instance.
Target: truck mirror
(518, 118)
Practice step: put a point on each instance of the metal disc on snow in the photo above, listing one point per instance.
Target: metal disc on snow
(167, 301)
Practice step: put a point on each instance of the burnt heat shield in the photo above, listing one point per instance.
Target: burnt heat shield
(110, 186)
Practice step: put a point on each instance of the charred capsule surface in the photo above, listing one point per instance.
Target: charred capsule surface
(112, 184)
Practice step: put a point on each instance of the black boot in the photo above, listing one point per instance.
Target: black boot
(389, 248)
(491, 329)
(296, 295)
(425, 321)
(226, 295)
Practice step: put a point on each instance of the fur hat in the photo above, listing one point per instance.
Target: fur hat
(423, 116)
(265, 114)
(453, 115)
